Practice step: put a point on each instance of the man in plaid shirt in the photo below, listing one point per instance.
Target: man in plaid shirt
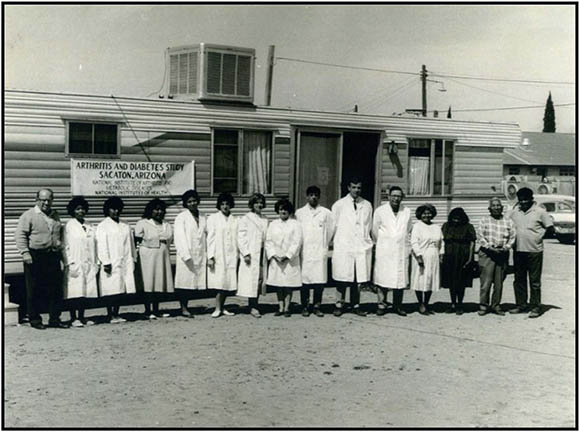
(496, 236)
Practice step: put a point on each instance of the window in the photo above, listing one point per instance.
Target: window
(568, 171)
(430, 167)
(93, 139)
(514, 170)
(242, 161)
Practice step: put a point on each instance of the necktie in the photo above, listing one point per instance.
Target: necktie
(354, 202)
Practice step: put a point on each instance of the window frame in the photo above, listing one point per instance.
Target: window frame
(432, 155)
(567, 171)
(93, 155)
(240, 177)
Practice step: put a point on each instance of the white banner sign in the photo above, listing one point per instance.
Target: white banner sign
(114, 177)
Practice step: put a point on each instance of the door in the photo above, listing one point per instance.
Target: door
(359, 158)
(318, 165)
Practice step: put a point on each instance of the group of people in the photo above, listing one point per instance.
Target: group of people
(245, 255)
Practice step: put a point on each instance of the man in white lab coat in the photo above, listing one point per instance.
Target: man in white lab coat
(352, 255)
(317, 225)
(392, 225)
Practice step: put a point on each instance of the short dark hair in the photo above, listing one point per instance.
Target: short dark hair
(394, 188)
(284, 204)
(422, 208)
(525, 193)
(227, 197)
(355, 180)
(255, 198)
(189, 194)
(113, 202)
(152, 205)
(458, 213)
(74, 203)
(313, 190)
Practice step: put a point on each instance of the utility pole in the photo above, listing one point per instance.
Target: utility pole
(424, 89)
(270, 76)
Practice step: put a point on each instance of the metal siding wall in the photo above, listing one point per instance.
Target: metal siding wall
(477, 169)
(281, 174)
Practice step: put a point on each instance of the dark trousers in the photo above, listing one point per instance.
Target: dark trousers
(305, 294)
(493, 270)
(43, 280)
(341, 292)
(528, 265)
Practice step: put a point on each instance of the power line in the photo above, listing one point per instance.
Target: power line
(507, 108)
(443, 75)
(346, 66)
(490, 91)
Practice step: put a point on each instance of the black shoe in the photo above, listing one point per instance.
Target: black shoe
(517, 310)
(498, 311)
(305, 312)
(337, 311)
(381, 311)
(534, 314)
(38, 326)
(287, 314)
(278, 313)
(452, 309)
(318, 313)
(400, 312)
(482, 312)
(459, 311)
(359, 312)
(58, 324)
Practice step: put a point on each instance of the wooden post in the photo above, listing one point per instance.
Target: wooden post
(424, 89)
(270, 76)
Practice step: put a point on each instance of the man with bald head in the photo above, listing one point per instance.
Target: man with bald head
(496, 236)
(38, 239)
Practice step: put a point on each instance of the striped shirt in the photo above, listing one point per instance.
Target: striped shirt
(493, 232)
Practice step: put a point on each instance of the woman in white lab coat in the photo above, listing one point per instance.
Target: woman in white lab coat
(283, 242)
(190, 244)
(116, 252)
(80, 260)
(153, 237)
(428, 248)
(222, 252)
(251, 236)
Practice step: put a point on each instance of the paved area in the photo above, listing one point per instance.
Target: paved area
(417, 371)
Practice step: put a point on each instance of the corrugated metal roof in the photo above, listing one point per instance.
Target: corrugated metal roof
(543, 149)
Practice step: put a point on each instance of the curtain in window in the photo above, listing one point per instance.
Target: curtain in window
(418, 175)
(257, 160)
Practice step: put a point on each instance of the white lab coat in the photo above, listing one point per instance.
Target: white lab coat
(80, 258)
(190, 244)
(222, 245)
(393, 236)
(284, 238)
(317, 226)
(251, 237)
(115, 246)
(427, 241)
(352, 240)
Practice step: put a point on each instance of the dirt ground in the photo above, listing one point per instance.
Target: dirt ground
(389, 371)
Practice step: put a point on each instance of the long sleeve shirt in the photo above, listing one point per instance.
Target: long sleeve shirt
(36, 230)
(499, 233)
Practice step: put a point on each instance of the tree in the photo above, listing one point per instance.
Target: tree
(449, 112)
(549, 116)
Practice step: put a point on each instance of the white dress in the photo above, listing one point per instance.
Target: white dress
(317, 226)
(393, 236)
(115, 246)
(427, 241)
(80, 257)
(284, 238)
(251, 237)
(190, 244)
(352, 240)
(222, 246)
(154, 261)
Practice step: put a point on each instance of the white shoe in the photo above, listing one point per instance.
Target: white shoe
(152, 317)
(77, 323)
(118, 320)
(89, 323)
(228, 313)
(164, 315)
(216, 314)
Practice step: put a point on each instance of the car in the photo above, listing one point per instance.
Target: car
(562, 210)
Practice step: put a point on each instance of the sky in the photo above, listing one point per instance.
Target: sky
(119, 50)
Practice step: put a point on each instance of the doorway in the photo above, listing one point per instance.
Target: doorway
(359, 158)
(330, 159)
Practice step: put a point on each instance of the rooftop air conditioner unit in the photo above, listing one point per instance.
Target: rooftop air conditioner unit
(211, 72)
